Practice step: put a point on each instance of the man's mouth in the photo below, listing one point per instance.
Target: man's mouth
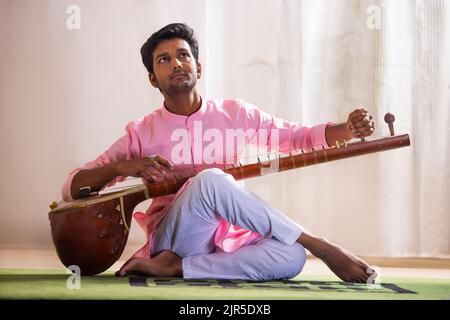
(178, 76)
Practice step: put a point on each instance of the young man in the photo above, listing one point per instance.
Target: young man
(212, 227)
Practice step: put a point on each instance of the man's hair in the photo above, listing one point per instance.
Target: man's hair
(171, 31)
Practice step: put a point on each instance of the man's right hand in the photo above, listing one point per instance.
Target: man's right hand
(149, 168)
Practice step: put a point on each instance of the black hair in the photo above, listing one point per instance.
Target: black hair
(173, 30)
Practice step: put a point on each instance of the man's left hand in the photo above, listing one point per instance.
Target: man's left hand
(360, 124)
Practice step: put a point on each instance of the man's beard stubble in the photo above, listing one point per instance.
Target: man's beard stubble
(182, 88)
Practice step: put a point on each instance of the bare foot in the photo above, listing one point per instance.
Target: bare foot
(164, 264)
(344, 264)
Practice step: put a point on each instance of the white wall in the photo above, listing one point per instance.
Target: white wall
(66, 95)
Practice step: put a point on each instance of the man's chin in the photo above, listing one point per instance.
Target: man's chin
(181, 88)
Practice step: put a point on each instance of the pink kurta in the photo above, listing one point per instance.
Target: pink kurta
(168, 135)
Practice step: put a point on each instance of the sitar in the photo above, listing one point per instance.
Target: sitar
(92, 232)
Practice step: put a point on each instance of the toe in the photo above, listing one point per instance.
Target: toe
(362, 279)
(128, 267)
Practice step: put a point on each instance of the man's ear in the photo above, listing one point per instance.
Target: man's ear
(199, 70)
(153, 81)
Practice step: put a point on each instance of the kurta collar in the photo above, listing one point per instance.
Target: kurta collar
(177, 118)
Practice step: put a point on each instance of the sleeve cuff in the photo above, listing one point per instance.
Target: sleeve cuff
(318, 134)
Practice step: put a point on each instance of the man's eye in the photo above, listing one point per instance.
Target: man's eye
(162, 60)
(184, 55)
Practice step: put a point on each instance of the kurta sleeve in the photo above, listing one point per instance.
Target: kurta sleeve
(280, 135)
(125, 148)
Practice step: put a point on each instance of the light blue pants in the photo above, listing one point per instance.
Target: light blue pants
(189, 227)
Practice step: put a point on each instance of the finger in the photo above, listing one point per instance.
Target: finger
(355, 117)
(366, 130)
(366, 122)
(126, 268)
(363, 130)
(359, 130)
(369, 130)
(358, 117)
(149, 177)
(136, 267)
(362, 279)
(360, 124)
(357, 111)
(358, 121)
(157, 174)
(166, 163)
(362, 135)
(154, 164)
(161, 164)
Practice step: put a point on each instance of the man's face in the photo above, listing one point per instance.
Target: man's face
(175, 70)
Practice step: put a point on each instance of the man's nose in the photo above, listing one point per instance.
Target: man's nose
(176, 64)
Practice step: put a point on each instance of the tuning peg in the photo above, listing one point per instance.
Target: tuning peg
(389, 119)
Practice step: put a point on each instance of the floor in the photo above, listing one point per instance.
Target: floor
(38, 274)
(386, 267)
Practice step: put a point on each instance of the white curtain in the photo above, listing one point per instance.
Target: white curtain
(313, 61)
(309, 61)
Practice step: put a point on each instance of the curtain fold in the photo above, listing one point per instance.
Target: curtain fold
(313, 61)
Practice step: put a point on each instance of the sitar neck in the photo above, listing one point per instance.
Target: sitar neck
(296, 159)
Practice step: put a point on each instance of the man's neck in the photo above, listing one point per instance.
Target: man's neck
(183, 104)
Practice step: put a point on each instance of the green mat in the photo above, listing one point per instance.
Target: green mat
(53, 284)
